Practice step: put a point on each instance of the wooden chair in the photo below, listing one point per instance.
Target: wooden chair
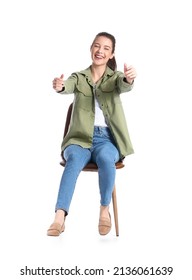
(93, 167)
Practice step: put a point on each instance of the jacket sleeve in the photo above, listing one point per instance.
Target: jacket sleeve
(70, 84)
(122, 84)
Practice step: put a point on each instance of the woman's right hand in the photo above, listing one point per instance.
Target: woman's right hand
(58, 83)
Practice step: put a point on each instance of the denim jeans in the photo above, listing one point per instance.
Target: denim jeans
(104, 153)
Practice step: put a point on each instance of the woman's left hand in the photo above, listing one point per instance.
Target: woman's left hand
(130, 73)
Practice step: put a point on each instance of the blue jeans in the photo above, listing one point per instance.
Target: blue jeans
(104, 153)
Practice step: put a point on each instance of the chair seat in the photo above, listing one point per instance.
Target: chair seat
(91, 166)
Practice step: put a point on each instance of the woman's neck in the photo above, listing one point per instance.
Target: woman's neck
(97, 72)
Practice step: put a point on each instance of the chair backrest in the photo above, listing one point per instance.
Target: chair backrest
(68, 118)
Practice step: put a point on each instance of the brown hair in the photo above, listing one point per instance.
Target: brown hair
(111, 62)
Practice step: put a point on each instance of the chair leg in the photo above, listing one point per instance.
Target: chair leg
(114, 200)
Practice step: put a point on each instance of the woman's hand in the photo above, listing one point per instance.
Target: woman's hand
(58, 83)
(130, 73)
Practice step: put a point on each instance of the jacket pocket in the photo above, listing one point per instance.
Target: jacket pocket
(108, 87)
(84, 89)
(83, 101)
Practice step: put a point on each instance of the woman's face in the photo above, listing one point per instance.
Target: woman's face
(101, 50)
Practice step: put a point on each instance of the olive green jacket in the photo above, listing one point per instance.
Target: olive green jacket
(107, 91)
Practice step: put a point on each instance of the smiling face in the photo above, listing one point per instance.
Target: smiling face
(101, 50)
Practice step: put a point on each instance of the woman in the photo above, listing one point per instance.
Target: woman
(97, 131)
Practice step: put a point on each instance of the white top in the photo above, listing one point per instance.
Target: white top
(99, 117)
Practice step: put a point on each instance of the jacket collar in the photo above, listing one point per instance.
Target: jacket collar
(87, 72)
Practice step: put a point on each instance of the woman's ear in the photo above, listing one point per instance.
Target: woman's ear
(112, 55)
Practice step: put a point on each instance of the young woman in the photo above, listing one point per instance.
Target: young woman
(98, 130)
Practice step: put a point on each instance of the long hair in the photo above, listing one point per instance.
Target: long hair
(111, 62)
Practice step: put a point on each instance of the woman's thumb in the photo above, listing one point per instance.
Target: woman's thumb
(125, 67)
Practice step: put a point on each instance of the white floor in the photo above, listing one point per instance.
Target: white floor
(154, 221)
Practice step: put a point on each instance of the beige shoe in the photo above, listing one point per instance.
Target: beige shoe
(104, 225)
(55, 229)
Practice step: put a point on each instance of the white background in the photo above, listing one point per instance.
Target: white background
(43, 39)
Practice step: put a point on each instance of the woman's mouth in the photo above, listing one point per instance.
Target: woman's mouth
(98, 56)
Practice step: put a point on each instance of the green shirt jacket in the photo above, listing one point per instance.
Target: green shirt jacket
(107, 91)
